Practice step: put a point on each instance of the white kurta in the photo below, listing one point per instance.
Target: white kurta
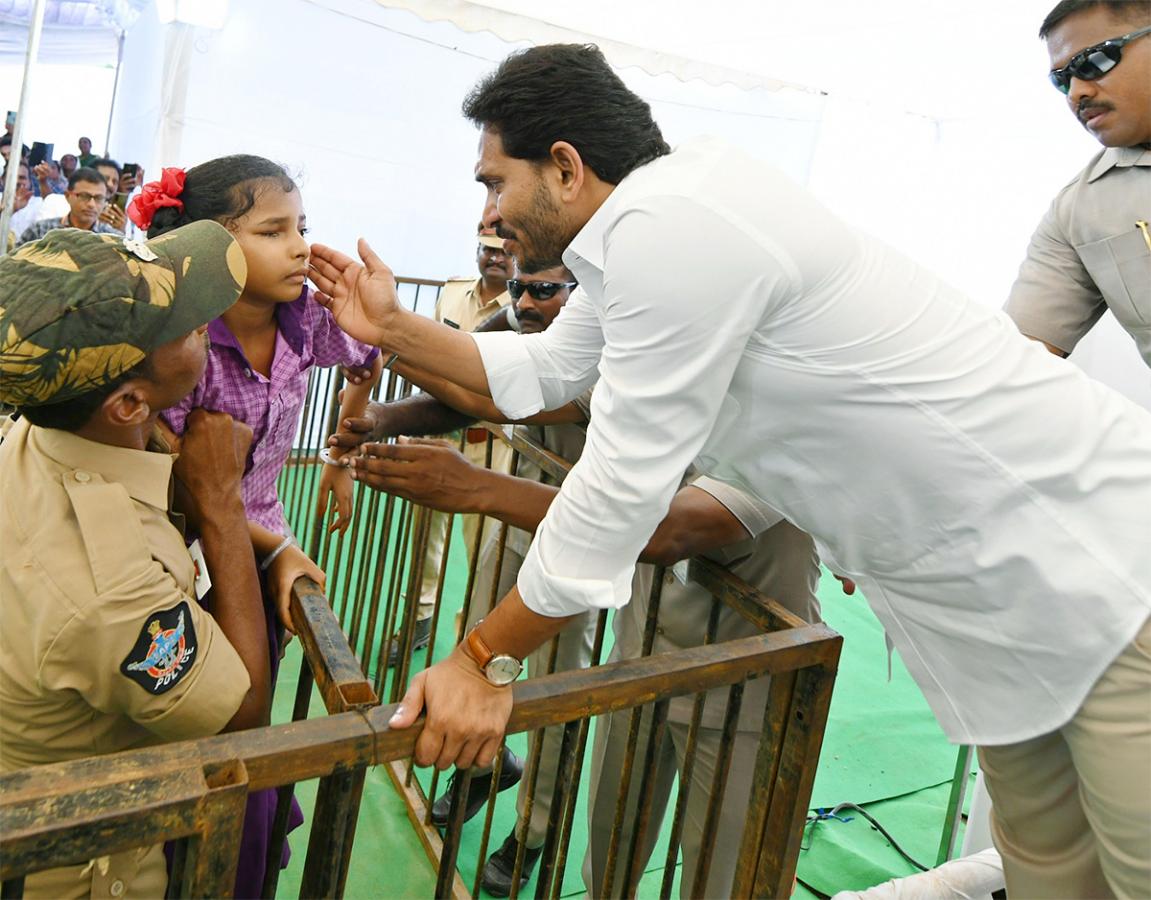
(992, 501)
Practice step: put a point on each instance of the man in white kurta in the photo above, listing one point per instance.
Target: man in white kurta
(992, 501)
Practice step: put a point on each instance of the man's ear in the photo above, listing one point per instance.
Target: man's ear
(128, 405)
(570, 167)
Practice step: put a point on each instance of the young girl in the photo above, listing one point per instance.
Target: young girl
(261, 351)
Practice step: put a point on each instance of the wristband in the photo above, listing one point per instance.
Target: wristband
(327, 460)
(267, 561)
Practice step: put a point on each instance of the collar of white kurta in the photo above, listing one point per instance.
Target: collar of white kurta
(1119, 157)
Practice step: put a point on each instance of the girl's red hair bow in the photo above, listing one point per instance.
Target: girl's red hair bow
(157, 195)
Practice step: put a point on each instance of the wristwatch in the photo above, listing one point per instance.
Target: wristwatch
(499, 668)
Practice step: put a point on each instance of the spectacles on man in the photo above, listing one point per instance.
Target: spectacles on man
(1094, 62)
(85, 197)
(540, 290)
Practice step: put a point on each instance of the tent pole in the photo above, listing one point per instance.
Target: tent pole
(35, 27)
(115, 92)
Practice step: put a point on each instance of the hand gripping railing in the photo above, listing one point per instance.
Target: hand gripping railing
(71, 812)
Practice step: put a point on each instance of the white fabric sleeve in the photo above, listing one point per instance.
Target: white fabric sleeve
(755, 515)
(532, 372)
(677, 313)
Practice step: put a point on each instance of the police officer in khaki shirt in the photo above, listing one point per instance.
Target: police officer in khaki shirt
(1092, 251)
(103, 646)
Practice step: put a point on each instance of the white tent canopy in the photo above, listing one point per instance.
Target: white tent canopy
(930, 124)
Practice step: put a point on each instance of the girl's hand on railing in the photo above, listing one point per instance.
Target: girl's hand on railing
(335, 496)
(282, 574)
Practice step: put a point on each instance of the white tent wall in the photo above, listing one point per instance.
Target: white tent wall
(373, 128)
(362, 102)
(143, 92)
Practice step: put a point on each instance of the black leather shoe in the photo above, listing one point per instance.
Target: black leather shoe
(420, 637)
(501, 865)
(510, 774)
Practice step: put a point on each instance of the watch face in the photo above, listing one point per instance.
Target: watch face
(503, 669)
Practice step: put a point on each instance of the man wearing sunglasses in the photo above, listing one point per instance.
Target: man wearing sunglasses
(1092, 250)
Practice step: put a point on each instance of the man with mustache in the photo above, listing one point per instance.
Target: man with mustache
(1092, 250)
(992, 502)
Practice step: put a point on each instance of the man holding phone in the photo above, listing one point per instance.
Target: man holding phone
(113, 211)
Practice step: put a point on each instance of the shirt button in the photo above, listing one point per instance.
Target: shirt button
(247, 373)
(116, 888)
(82, 477)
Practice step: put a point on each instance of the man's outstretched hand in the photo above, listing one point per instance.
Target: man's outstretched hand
(432, 473)
(362, 298)
(467, 715)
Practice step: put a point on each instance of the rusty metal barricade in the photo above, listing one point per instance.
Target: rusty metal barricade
(375, 572)
(71, 812)
(377, 599)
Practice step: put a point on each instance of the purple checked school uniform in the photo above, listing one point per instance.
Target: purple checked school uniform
(306, 337)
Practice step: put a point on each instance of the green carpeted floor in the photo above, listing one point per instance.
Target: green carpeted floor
(882, 750)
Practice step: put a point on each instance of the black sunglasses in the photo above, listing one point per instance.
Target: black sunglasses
(540, 290)
(1094, 62)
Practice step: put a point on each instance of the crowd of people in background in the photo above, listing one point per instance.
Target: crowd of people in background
(78, 190)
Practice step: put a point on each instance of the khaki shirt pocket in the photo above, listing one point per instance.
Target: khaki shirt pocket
(1120, 266)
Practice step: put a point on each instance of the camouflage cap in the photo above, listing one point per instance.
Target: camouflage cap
(78, 309)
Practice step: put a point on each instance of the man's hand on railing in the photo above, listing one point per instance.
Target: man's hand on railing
(429, 472)
(467, 715)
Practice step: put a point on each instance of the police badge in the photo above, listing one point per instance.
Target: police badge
(163, 653)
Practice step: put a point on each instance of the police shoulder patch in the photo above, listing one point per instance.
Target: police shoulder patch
(164, 652)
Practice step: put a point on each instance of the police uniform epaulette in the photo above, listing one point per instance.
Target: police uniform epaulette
(113, 553)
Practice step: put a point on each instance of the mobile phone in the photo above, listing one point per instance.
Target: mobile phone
(130, 169)
(120, 200)
(40, 152)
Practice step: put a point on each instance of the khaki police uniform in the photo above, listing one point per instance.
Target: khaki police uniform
(573, 644)
(103, 646)
(779, 560)
(1089, 255)
(460, 305)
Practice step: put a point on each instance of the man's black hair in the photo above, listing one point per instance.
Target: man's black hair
(567, 92)
(221, 189)
(106, 163)
(75, 413)
(88, 174)
(6, 140)
(1127, 10)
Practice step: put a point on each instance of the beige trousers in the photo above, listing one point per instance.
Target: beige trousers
(470, 524)
(573, 651)
(1072, 809)
(608, 760)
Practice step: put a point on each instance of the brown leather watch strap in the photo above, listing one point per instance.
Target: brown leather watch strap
(477, 648)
